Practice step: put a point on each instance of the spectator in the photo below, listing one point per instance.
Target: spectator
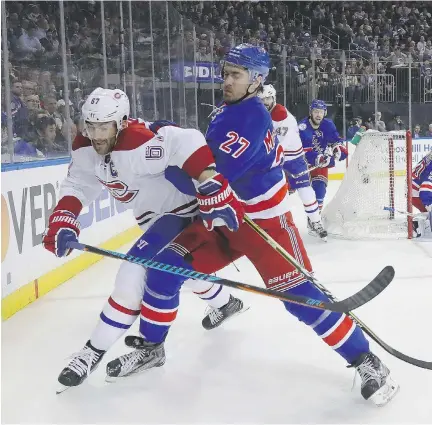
(417, 130)
(396, 123)
(202, 55)
(50, 105)
(378, 124)
(28, 44)
(18, 108)
(355, 126)
(61, 106)
(429, 132)
(45, 141)
(21, 148)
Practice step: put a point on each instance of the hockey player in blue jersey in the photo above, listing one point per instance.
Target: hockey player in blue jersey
(247, 167)
(422, 193)
(322, 145)
(286, 129)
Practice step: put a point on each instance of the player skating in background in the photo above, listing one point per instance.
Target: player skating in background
(422, 195)
(241, 140)
(130, 161)
(322, 145)
(286, 129)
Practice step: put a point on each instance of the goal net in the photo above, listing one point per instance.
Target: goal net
(378, 176)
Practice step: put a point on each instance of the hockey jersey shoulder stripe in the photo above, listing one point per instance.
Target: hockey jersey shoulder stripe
(80, 142)
(133, 137)
(279, 112)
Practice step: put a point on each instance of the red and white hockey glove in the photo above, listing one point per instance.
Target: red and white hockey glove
(63, 227)
(322, 161)
(218, 204)
(340, 152)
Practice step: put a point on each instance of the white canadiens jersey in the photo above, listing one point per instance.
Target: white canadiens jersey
(286, 128)
(134, 171)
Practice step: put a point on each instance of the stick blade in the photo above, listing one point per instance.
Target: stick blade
(370, 291)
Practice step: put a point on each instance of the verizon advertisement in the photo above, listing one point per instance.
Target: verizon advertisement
(28, 198)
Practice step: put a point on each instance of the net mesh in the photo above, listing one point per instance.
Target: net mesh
(375, 178)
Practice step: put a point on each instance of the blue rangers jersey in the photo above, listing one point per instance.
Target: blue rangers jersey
(240, 137)
(316, 141)
(422, 180)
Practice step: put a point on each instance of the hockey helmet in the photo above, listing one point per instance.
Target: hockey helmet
(267, 91)
(105, 105)
(318, 104)
(254, 59)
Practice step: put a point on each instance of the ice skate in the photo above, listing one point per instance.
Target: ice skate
(377, 384)
(316, 229)
(145, 356)
(82, 364)
(217, 316)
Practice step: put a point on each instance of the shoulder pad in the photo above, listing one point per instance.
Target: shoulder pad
(133, 137)
(279, 112)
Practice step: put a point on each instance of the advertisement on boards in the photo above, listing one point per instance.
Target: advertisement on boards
(28, 198)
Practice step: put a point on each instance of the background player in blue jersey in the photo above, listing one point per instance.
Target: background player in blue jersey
(248, 168)
(322, 145)
(286, 129)
(422, 194)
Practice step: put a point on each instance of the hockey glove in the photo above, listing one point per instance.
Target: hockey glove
(63, 227)
(156, 125)
(340, 152)
(322, 161)
(218, 204)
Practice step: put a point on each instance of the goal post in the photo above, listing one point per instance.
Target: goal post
(378, 176)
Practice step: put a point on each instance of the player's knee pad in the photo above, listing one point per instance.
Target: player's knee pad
(129, 285)
(164, 283)
(320, 188)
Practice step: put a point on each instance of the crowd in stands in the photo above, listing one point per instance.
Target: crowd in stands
(308, 32)
(391, 30)
(376, 122)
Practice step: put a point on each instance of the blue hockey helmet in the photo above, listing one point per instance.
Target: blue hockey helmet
(254, 59)
(318, 104)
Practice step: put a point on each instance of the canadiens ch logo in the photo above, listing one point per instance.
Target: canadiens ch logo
(120, 190)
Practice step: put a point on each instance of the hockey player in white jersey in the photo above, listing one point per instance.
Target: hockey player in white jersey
(131, 161)
(286, 128)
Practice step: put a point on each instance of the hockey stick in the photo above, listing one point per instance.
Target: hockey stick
(417, 215)
(351, 303)
(303, 173)
(385, 278)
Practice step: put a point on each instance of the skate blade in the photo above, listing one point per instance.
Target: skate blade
(385, 393)
(62, 388)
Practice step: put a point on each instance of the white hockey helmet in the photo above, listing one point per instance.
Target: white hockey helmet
(105, 105)
(267, 91)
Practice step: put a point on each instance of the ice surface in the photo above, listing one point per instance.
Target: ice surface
(261, 367)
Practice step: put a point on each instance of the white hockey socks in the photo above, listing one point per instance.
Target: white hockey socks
(213, 294)
(307, 195)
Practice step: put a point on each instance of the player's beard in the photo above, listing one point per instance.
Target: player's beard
(102, 147)
(315, 123)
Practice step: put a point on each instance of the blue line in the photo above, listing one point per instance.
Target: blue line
(34, 164)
